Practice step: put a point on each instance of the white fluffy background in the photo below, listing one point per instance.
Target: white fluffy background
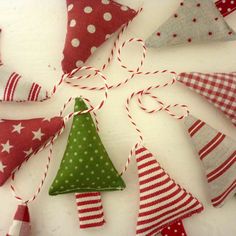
(33, 37)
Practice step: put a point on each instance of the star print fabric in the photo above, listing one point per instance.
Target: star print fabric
(19, 139)
(194, 21)
(86, 166)
(90, 24)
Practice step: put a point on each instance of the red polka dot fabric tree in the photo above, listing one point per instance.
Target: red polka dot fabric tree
(226, 7)
(194, 21)
(90, 24)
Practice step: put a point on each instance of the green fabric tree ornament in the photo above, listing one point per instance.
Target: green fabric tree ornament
(86, 166)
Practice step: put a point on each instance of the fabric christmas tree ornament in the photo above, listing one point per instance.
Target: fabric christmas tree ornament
(19, 139)
(162, 201)
(90, 24)
(14, 88)
(86, 166)
(194, 21)
(218, 88)
(90, 210)
(176, 229)
(21, 223)
(226, 7)
(218, 155)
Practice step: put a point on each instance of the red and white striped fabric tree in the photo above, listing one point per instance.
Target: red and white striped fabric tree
(15, 88)
(218, 155)
(162, 201)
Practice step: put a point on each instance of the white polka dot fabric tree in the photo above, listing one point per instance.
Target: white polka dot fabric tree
(90, 24)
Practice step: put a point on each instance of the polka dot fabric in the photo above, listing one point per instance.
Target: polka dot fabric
(176, 229)
(226, 7)
(90, 24)
(86, 166)
(194, 21)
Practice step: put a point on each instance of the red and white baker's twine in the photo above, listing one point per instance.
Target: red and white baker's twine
(161, 107)
(65, 119)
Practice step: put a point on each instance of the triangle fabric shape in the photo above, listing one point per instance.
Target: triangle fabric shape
(176, 229)
(162, 201)
(218, 88)
(194, 21)
(15, 88)
(21, 222)
(90, 24)
(19, 139)
(90, 210)
(226, 7)
(218, 155)
(86, 166)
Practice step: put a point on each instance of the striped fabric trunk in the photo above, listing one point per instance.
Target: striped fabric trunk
(14, 88)
(218, 155)
(90, 209)
(162, 201)
(21, 222)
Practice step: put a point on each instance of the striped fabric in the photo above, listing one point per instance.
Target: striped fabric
(218, 154)
(218, 88)
(14, 88)
(90, 209)
(21, 223)
(162, 201)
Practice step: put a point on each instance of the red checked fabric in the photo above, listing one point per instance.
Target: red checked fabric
(162, 201)
(90, 23)
(19, 139)
(21, 223)
(176, 229)
(217, 88)
(226, 7)
(14, 88)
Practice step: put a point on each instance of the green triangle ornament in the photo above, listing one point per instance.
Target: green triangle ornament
(86, 166)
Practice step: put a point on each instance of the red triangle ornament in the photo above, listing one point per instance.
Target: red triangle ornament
(90, 24)
(19, 139)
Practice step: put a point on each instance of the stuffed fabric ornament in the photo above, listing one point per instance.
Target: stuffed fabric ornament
(218, 155)
(162, 201)
(86, 166)
(218, 88)
(194, 21)
(176, 229)
(90, 24)
(226, 7)
(21, 223)
(19, 139)
(14, 88)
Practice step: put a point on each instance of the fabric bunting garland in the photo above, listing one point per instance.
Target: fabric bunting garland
(194, 21)
(218, 88)
(218, 155)
(89, 25)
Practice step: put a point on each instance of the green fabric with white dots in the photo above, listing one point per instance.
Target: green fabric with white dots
(86, 166)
